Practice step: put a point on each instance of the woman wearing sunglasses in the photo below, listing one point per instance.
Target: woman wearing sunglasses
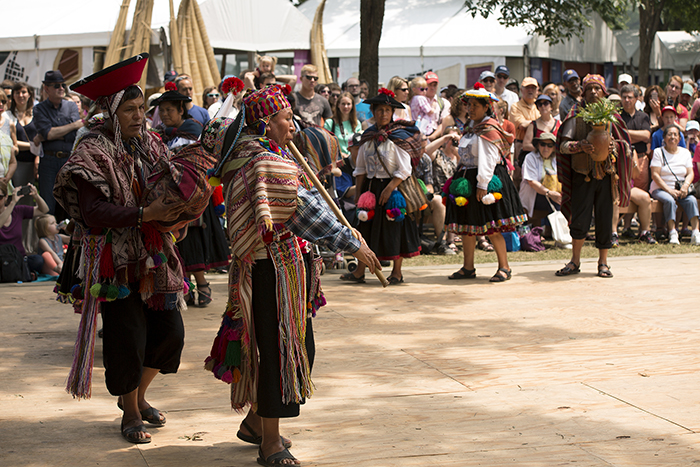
(210, 96)
(399, 87)
(540, 182)
(546, 123)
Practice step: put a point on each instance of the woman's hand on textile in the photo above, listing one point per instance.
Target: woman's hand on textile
(367, 256)
(586, 146)
(555, 196)
(159, 211)
(386, 193)
(480, 194)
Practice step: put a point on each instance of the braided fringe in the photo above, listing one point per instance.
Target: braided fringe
(295, 378)
(79, 382)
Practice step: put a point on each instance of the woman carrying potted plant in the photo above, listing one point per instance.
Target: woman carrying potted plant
(594, 169)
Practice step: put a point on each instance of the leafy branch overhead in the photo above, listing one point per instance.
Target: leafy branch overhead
(555, 20)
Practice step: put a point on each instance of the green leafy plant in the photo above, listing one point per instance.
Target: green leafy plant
(599, 113)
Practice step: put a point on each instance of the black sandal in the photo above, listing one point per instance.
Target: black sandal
(604, 271)
(350, 277)
(567, 270)
(203, 298)
(254, 438)
(275, 459)
(130, 434)
(463, 274)
(499, 278)
(393, 280)
(485, 245)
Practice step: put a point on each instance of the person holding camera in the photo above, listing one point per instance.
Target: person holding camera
(671, 177)
(11, 216)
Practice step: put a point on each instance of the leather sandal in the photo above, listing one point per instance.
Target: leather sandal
(254, 438)
(499, 278)
(463, 274)
(203, 298)
(350, 277)
(277, 458)
(604, 271)
(568, 270)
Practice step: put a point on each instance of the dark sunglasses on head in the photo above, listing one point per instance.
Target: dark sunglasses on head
(311, 78)
(212, 95)
(547, 145)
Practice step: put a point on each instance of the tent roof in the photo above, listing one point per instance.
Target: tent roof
(443, 28)
(670, 50)
(230, 24)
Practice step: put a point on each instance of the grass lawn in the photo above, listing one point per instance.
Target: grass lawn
(626, 248)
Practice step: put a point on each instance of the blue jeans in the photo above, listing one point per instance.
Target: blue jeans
(689, 204)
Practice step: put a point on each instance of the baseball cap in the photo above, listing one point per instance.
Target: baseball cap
(687, 89)
(170, 76)
(502, 69)
(543, 97)
(670, 108)
(569, 75)
(624, 77)
(431, 77)
(486, 74)
(692, 125)
(529, 81)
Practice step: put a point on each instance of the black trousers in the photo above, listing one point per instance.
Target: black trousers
(136, 336)
(267, 336)
(586, 196)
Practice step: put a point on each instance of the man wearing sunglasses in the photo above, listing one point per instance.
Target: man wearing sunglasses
(57, 122)
(311, 107)
(502, 74)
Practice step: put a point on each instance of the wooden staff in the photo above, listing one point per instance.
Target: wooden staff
(329, 201)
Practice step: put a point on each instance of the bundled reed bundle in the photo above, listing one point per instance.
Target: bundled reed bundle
(116, 40)
(318, 49)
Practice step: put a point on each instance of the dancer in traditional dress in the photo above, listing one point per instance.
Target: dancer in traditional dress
(115, 186)
(265, 347)
(481, 198)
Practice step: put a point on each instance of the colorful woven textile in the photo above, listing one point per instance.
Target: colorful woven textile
(405, 135)
(265, 102)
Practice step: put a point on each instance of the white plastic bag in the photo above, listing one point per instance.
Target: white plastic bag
(560, 226)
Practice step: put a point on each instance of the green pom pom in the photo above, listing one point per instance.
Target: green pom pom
(422, 185)
(95, 290)
(495, 185)
(461, 187)
(112, 293)
(233, 354)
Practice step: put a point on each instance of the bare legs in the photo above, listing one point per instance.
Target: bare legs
(135, 401)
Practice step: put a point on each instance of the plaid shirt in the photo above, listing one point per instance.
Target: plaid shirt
(315, 222)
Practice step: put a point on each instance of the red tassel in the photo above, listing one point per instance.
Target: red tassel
(152, 238)
(218, 196)
(106, 262)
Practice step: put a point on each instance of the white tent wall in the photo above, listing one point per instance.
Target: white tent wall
(30, 65)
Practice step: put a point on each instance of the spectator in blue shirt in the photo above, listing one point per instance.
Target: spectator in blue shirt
(57, 122)
(669, 116)
(184, 87)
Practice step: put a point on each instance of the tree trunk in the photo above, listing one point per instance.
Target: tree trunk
(371, 20)
(649, 22)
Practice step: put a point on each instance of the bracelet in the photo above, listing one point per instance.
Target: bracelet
(547, 194)
(139, 223)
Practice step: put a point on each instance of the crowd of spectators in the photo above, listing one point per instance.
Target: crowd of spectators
(39, 127)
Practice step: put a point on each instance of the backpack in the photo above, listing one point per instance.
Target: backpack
(13, 266)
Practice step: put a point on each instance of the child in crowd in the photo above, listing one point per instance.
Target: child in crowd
(50, 244)
(266, 66)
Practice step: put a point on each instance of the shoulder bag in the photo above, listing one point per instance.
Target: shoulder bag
(679, 184)
(409, 188)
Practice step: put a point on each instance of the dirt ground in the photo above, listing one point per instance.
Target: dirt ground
(537, 371)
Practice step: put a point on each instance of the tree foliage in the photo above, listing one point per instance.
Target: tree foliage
(555, 20)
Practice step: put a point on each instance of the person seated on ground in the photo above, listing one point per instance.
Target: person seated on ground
(11, 216)
(50, 244)
(540, 182)
(669, 117)
(672, 174)
(545, 123)
(638, 128)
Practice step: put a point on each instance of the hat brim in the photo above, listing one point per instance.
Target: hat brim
(383, 99)
(112, 79)
(171, 96)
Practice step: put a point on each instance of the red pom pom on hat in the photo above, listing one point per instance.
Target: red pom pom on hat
(170, 86)
(479, 86)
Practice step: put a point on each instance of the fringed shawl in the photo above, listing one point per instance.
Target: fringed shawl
(261, 193)
(402, 133)
(113, 259)
(622, 162)
(491, 131)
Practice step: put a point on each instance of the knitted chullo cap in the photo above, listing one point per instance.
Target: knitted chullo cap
(594, 79)
(266, 102)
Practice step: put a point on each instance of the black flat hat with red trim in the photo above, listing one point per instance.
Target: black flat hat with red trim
(112, 79)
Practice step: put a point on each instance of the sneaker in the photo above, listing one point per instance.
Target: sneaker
(627, 233)
(615, 241)
(695, 238)
(673, 238)
(647, 238)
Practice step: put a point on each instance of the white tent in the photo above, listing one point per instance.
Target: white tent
(39, 44)
(440, 35)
